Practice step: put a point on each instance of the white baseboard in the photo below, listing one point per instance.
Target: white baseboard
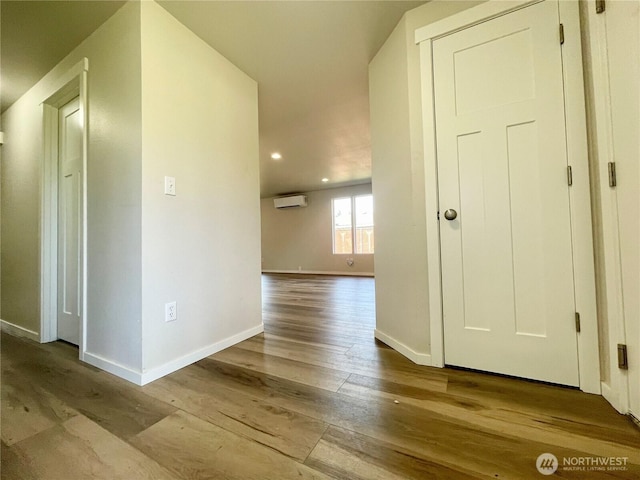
(315, 272)
(110, 366)
(415, 357)
(142, 378)
(178, 363)
(18, 331)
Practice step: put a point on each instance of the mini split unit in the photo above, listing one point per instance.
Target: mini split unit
(292, 201)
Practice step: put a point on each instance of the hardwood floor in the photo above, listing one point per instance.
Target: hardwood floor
(314, 397)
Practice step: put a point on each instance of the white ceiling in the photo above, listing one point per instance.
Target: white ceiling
(309, 58)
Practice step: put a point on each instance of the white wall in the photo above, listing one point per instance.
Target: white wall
(398, 183)
(301, 238)
(114, 201)
(161, 102)
(200, 248)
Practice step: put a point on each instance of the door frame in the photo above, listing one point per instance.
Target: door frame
(616, 390)
(71, 84)
(579, 193)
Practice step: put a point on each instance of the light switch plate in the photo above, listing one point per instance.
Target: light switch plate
(169, 186)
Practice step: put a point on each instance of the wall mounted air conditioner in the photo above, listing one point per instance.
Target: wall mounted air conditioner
(292, 201)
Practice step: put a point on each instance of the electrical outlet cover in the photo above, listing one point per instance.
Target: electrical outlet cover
(170, 312)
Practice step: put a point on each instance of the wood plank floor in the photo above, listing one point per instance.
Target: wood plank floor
(314, 397)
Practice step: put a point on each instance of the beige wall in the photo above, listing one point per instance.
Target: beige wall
(114, 201)
(20, 253)
(200, 248)
(300, 239)
(156, 93)
(398, 180)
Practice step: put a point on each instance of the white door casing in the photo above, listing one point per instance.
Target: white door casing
(614, 39)
(623, 55)
(521, 132)
(66, 86)
(70, 199)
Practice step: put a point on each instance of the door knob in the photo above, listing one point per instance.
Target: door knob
(450, 214)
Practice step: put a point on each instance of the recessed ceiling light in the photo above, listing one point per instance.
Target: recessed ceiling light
(276, 156)
(325, 180)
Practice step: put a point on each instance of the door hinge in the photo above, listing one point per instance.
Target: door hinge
(613, 181)
(600, 6)
(569, 175)
(561, 34)
(577, 322)
(438, 215)
(623, 362)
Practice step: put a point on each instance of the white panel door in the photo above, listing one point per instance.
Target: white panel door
(69, 222)
(623, 52)
(508, 294)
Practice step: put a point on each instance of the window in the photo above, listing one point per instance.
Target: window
(353, 224)
(364, 224)
(342, 226)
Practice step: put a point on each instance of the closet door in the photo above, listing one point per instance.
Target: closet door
(506, 247)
